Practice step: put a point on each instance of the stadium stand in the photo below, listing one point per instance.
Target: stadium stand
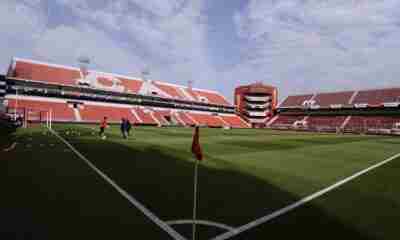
(325, 122)
(206, 119)
(145, 116)
(358, 123)
(94, 113)
(64, 75)
(286, 120)
(333, 99)
(187, 119)
(61, 111)
(87, 96)
(368, 111)
(172, 91)
(162, 116)
(211, 97)
(295, 101)
(378, 97)
(234, 121)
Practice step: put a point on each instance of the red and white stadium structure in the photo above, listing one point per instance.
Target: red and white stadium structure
(256, 103)
(33, 89)
(367, 111)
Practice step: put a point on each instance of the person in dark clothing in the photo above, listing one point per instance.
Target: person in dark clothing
(19, 122)
(124, 127)
(128, 127)
(103, 125)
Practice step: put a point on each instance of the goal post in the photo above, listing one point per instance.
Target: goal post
(49, 118)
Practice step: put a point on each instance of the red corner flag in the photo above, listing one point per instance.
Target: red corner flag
(196, 148)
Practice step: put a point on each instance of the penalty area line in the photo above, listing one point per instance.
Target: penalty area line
(301, 202)
(174, 234)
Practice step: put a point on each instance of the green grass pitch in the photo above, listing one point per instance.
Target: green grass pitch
(47, 192)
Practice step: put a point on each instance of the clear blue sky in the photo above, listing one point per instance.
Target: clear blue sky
(299, 46)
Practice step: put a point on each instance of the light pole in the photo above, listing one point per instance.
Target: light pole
(146, 73)
(16, 104)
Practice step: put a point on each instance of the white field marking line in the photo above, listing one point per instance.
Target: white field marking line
(125, 194)
(299, 203)
(11, 147)
(200, 222)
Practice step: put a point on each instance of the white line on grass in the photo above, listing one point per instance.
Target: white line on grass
(125, 194)
(11, 147)
(299, 203)
(200, 222)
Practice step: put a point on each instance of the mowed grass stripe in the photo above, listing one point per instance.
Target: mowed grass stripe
(363, 209)
(233, 189)
(246, 174)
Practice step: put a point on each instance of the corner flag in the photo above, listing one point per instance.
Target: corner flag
(196, 148)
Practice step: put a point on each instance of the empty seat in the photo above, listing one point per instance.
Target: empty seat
(325, 121)
(378, 96)
(95, 113)
(207, 120)
(162, 116)
(60, 111)
(335, 98)
(296, 101)
(172, 91)
(145, 116)
(372, 122)
(234, 121)
(286, 120)
(186, 119)
(212, 97)
(45, 73)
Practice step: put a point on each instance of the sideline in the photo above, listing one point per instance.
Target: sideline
(174, 234)
(301, 202)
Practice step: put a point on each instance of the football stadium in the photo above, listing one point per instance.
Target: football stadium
(194, 166)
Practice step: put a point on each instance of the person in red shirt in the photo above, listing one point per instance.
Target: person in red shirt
(103, 126)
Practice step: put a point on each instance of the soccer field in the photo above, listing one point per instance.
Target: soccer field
(49, 192)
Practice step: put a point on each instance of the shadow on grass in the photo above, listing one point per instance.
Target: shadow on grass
(291, 143)
(6, 134)
(49, 193)
(162, 180)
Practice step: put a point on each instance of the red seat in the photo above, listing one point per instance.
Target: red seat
(206, 119)
(60, 111)
(186, 119)
(234, 121)
(95, 113)
(325, 121)
(335, 98)
(378, 96)
(46, 73)
(286, 120)
(170, 90)
(372, 122)
(160, 116)
(296, 101)
(145, 116)
(212, 97)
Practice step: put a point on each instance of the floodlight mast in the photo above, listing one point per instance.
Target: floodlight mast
(84, 62)
(16, 104)
(145, 73)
